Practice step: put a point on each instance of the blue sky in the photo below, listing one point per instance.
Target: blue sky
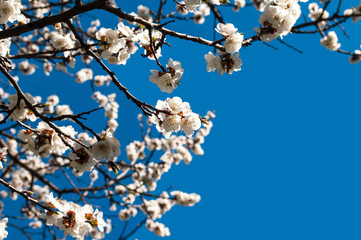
(283, 159)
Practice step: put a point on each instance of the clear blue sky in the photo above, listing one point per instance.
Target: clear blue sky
(283, 159)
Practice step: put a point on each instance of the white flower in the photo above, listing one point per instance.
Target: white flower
(172, 123)
(181, 9)
(107, 35)
(83, 75)
(99, 80)
(63, 110)
(108, 147)
(52, 100)
(40, 8)
(26, 68)
(164, 81)
(47, 67)
(3, 232)
(45, 141)
(113, 42)
(315, 14)
(176, 106)
(226, 29)
(178, 113)
(331, 41)
(21, 112)
(4, 46)
(94, 218)
(211, 62)
(278, 18)
(3, 153)
(185, 199)
(233, 43)
(73, 219)
(82, 160)
(62, 41)
(355, 58)
(158, 228)
(144, 42)
(144, 13)
(168, 81)
(126, 32)
(198, 17)
(9, 11)
(238, 4)
(126, 213)
(191, 5)
(223, 64)
(36, 224)
(191, 123)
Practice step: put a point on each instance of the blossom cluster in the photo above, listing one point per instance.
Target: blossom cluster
(3, 232)
(19, 109)
(316, 13)
(4, 46)
(11, 11)
(229, 61)
(44, 140)
(331, 41)
(85, 158)
(168, 81)
(111, 108)
(73, 219)
(278, 18)
(233, 38)
(48, 147)
(176, 115)
(223, 63)
(354, 11)
(158, 228)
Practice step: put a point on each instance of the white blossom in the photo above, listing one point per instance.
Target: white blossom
(63, 110)
(108, 147)
(224, 63)
(73, 219)
(173, 122)
(238, 4)
(83, 75)
(185, 199)
(3, 232)
(191, 5)
(233, 43)
(3, 153)
(26, 68)
(355, 58)
(4, 46)
(331, 41)
(45, 141)
(20, 111)
(158, 228)
(82, 160)
(62, 42)
(168, 81)
(315, 14)
(181, 8)
(10, 11)
(226, 30)
(278, 18)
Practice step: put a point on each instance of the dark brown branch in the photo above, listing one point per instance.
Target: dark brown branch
(121, 14)
(23, 194)
(50, 20)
